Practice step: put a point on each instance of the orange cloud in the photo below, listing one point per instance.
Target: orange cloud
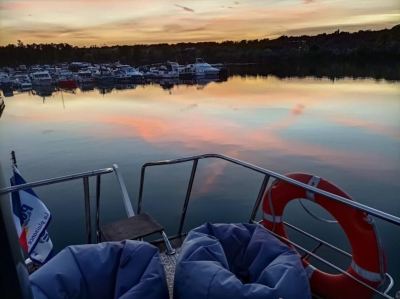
(155, 21)
(250, 116)
(368, 126)
(206, 133)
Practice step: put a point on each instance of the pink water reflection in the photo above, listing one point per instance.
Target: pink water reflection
(242, 115)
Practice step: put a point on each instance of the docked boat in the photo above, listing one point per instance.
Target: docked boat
(5, 81)
(25, 86)
(169, 71)
(128, 73)
(253, 258)
(78, 66)
(41, 78)
(151, 73)
(43, 91)
(66, 80)
(22, 82)
(3, 77)
(85, 77)
(121, 77)
(87, 86)
(103, 76)
(199, 69)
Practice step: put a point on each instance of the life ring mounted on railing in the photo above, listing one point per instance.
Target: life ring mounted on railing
(368, 262)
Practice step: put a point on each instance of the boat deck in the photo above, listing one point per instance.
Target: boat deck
(169, 263)
(169, 243)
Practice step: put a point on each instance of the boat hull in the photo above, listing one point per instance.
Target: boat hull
(67, 84)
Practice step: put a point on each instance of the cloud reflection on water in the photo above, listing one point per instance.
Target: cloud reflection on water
(264, 115)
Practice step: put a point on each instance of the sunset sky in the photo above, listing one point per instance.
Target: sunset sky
(89, 22)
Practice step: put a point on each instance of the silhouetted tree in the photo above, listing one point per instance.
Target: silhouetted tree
(362, 47)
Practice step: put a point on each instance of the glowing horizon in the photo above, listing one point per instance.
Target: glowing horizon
(101, 22)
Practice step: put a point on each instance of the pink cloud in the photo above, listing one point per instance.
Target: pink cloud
(369, 126)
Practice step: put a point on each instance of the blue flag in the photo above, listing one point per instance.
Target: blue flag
(31, 218)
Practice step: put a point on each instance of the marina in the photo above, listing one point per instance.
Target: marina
(86, 76)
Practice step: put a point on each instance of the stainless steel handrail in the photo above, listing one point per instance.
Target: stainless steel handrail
(125, 196)
(86, 191)
(267, 175)
(324, 261)
(374, 212)
(85, 177)
(56, 180)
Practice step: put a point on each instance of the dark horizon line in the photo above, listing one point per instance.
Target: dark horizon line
(204, 42)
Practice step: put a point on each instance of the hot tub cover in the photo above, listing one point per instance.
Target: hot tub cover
(240, 261)
(126, 270)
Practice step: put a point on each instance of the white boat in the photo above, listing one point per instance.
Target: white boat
(21, 78)
(152, 72)
(127, 71)
(4, 77)
(169, 71)
(63, 74)
(5, 81)
(103, 76)
(85, 76)
(22, 82)
(41, 78)
(202, 68)
(199, 69)
(25, 86)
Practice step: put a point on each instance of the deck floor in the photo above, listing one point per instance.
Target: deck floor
(169, 263)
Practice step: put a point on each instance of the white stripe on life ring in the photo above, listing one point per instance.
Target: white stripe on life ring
(309, 270)
(272, 218)
(366, 274)
(314, 181)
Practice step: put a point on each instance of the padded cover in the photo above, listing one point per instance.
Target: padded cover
(240, 261)
(126, 270)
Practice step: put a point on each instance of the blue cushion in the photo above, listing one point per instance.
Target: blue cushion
(126, 270)
(241, 261)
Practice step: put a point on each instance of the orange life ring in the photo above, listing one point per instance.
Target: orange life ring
(368, 262)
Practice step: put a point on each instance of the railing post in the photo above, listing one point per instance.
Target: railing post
(187, 198)
(169, 249)
(98, 190)
(259, 198)
(140, 197)
(125, 196)
(88, 220)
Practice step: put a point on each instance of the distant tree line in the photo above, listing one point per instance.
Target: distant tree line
(362, 47)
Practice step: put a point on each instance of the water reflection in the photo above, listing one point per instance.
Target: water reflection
(8, 92)
(344, 130)
(329, 124)
(87, 86)
(107, 87)
(44, 91)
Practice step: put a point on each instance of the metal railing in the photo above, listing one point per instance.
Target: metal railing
(84, 176)
(265, 182)
(267, 176)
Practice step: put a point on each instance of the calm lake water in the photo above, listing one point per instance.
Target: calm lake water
(347, 131)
